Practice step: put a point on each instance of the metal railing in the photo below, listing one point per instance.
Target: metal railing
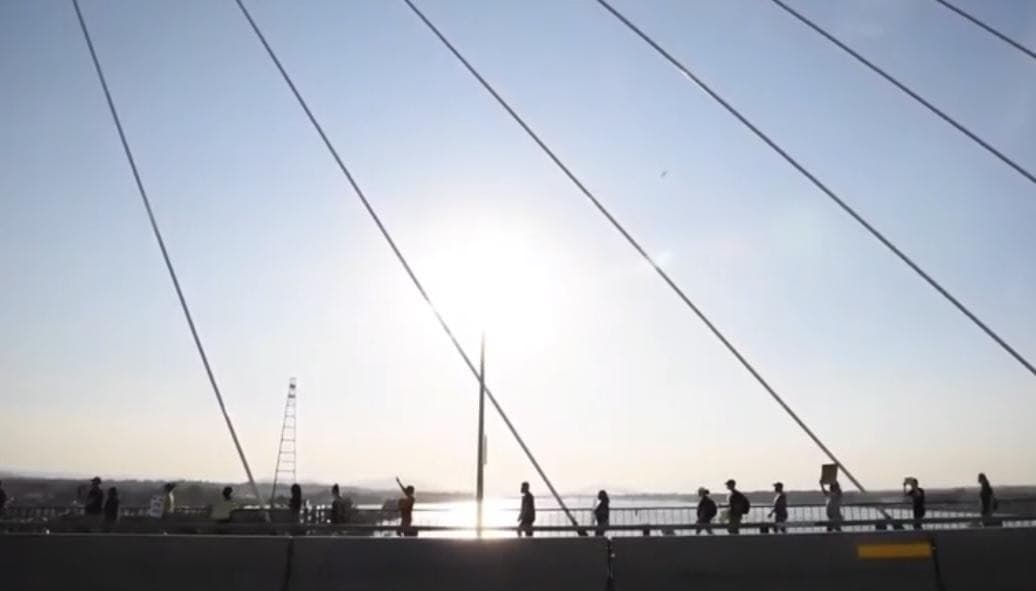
(624, 521)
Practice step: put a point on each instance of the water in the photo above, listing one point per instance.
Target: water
(662, 514)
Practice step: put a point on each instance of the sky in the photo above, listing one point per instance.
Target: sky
(606, 374)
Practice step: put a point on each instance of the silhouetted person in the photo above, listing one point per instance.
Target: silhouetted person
(94, 505)
(224, 506)
(295, 503)
(602, 512)
(168, 500)
(527, 514)
(780, 509)
(706, 511)
(737, 506)
(916, 494)
(340, 506)
(406, 511)
(111, 506)
(833, 505)
(3, 499)
(987, 499)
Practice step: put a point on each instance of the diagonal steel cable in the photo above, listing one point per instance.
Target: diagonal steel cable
(823, 188)
(987, 28)
(400, 257)
(632, 241)
(908, 91)
(165, 253)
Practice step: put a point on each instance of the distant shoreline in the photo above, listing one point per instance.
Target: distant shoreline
(40, 491)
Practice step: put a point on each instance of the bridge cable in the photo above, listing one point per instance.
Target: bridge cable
(633, 242)
(165, 254)
(906, 90)
(988, 28)
(401, 258)
(823, 188)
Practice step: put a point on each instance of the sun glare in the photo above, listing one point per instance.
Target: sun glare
(497, 281)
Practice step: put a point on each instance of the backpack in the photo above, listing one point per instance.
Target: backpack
(739, 504)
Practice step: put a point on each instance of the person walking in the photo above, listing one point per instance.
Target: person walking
(780, 509)
(406, 511)
(527, 514)
(340, 506)
(94, 505)
(912, 489)
(295, 503)
(737, 507)
(168, 500)
(602, 512)
(833, 505)
(706, 511)
(111, 507)
(224, 506)
(987, 500)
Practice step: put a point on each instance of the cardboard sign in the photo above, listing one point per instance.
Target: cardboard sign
(828, 473)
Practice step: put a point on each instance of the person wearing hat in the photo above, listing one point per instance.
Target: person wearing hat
(780, 509)
(737, 507)
(706, 511)
(94, 506)
(916, 494)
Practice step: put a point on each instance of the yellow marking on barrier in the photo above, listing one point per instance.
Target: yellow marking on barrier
(902, 550)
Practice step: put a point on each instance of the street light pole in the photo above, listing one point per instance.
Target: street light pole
(479, 482)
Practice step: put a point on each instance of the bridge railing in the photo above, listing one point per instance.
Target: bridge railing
(643, 520)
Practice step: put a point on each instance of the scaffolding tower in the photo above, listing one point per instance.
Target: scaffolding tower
(285, 467)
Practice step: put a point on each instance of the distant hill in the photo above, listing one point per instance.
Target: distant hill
(41, 491)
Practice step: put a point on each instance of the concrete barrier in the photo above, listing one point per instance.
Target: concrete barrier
(539, 564)
(987, 559)
(138, 563)
(800, 562)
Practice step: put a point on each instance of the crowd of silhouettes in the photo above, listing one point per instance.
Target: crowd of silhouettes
(102, 507)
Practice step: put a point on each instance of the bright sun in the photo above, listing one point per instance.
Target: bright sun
(498, 281)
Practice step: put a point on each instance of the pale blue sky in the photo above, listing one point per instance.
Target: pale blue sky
(607, 375)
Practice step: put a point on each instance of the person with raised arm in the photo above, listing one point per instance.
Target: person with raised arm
(406, 510)
(833, 505)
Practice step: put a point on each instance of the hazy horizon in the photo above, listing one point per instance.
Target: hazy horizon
(609, 378)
